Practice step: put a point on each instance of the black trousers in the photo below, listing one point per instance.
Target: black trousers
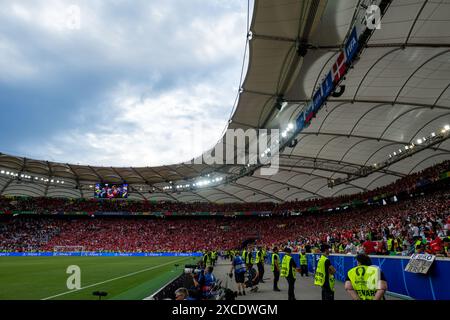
(276, 277)
(327, 294)
(260, 266)
(291, 290)
(303, 270)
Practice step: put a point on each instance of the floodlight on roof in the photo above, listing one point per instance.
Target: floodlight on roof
(419, 141)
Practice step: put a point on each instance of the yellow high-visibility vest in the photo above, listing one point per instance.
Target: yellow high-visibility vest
(273, 261)
(319, 277)
(285, 267)
(257, 259)
(364, 281)
(390, 244)
(303, 260)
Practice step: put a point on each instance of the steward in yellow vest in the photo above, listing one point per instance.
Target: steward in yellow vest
(260, 264)
(391, 245)
(365, 282)
(275, 267)
(303, 263)
(288, 270)
(207, 259)
(214, 257)
(447, 244)
(324, 276)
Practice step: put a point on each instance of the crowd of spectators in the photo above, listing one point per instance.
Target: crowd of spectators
(54, 205)
(424, 217)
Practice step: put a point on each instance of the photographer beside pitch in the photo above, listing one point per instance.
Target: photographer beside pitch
(365, 281)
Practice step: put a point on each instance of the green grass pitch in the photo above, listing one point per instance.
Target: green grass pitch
(123, 278)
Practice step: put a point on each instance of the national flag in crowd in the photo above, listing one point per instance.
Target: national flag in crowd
(339, 68)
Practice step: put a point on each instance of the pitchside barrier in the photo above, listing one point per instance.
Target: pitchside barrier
(435, 285)
(99, 254)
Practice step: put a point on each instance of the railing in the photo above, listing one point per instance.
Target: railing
(435, 285)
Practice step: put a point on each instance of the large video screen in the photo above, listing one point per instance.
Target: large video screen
(111, 191)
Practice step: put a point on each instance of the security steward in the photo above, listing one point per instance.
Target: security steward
(288, 271)
(259, 260)
(244, 254)
(275, 268)
(391, 245)
(207, 259)
(324, 276)
(214, 256)
(303, 263)
(365, 282)
(447, 245)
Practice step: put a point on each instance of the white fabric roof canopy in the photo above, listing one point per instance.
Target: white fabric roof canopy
(397, 92)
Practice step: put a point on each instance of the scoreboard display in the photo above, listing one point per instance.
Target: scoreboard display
(111, 191)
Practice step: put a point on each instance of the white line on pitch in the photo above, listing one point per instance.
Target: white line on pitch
(110, 280)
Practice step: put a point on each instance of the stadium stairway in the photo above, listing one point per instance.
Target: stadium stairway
(304, 287)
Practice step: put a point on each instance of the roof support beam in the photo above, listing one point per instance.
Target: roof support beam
(96, 174)
(319, 176)
(282, 183)
(417, 70)
(255, 191)
(415, 21)
(371, 138)
(6, 185)
(154, 186)
(50, 175)
(273, 95)
(77, 179)
(273, 38)
(230, 194)
(349, 164)
(200, 196)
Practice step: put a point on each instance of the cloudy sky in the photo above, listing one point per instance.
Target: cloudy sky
(118, 84)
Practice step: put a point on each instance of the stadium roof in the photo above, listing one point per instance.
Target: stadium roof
(397, 92)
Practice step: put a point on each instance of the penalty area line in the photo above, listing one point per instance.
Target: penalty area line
(114, 279)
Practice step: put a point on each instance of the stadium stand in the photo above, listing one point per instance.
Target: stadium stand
(45, 205)
(420, 212)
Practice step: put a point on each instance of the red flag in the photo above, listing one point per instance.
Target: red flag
(339, 67)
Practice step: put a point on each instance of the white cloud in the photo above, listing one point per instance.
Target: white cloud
(169, 128)
(161, 68)
(13, 65)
